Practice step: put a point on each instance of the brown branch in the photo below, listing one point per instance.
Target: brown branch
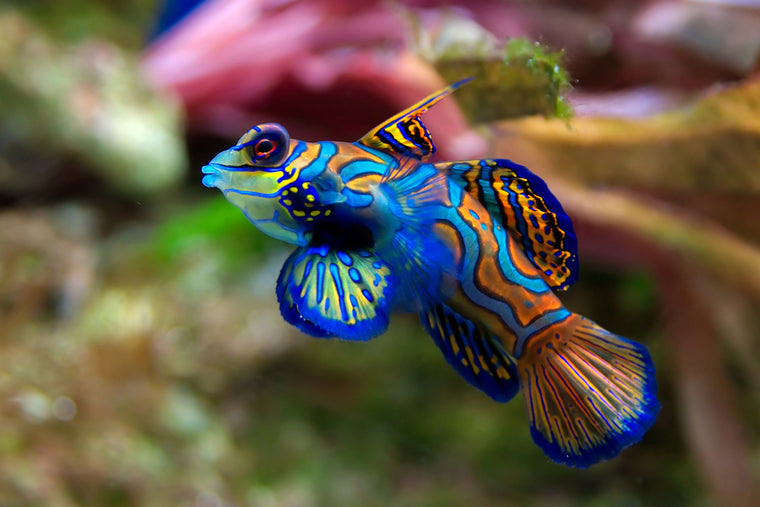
(713, 145)
(709, 412)
(699, 241)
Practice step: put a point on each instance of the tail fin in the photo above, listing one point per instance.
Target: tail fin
(589, 393)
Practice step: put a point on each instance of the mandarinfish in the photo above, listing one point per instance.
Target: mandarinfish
(477, 248)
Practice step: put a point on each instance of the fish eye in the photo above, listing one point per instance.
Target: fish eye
(266, 145)
(263, 147)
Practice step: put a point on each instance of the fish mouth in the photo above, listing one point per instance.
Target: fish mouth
(211, 175)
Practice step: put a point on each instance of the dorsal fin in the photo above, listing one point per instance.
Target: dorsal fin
(525, 206)
(404, 133)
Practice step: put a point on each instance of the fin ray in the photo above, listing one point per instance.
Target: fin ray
(404, 133)
(292, 316)
(528, 210)
(425, 265)
(328, 292)
(589, 395)
(472, 352)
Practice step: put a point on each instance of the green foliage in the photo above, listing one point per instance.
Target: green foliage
(143, 360)
(75, 20)
(212, 222)
(87, 102)
(519, 79)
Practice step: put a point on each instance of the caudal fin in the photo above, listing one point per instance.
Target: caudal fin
(589, 393)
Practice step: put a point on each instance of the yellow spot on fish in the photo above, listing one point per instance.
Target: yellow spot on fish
(299, 213)
(454, 345)
(309, 204)
(502, 372)
(310, 198)
(315, 213)
(309, 219)
(287, 202)
(471, 357)
(284, 193)
(328, 212)
(305, 185)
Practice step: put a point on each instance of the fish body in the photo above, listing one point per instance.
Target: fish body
(477, 248)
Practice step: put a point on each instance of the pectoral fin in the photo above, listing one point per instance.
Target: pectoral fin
(327, 292)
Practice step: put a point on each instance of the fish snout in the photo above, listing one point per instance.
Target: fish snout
(212, 175)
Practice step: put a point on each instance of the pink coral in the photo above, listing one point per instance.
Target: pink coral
(325, 69)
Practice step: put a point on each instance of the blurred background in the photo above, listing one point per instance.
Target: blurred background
(143, 360)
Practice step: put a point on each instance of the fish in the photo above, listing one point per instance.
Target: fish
(478, 249)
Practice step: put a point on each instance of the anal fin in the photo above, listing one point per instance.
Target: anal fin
(472, 352)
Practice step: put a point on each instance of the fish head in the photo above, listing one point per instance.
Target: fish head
(253, 175)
